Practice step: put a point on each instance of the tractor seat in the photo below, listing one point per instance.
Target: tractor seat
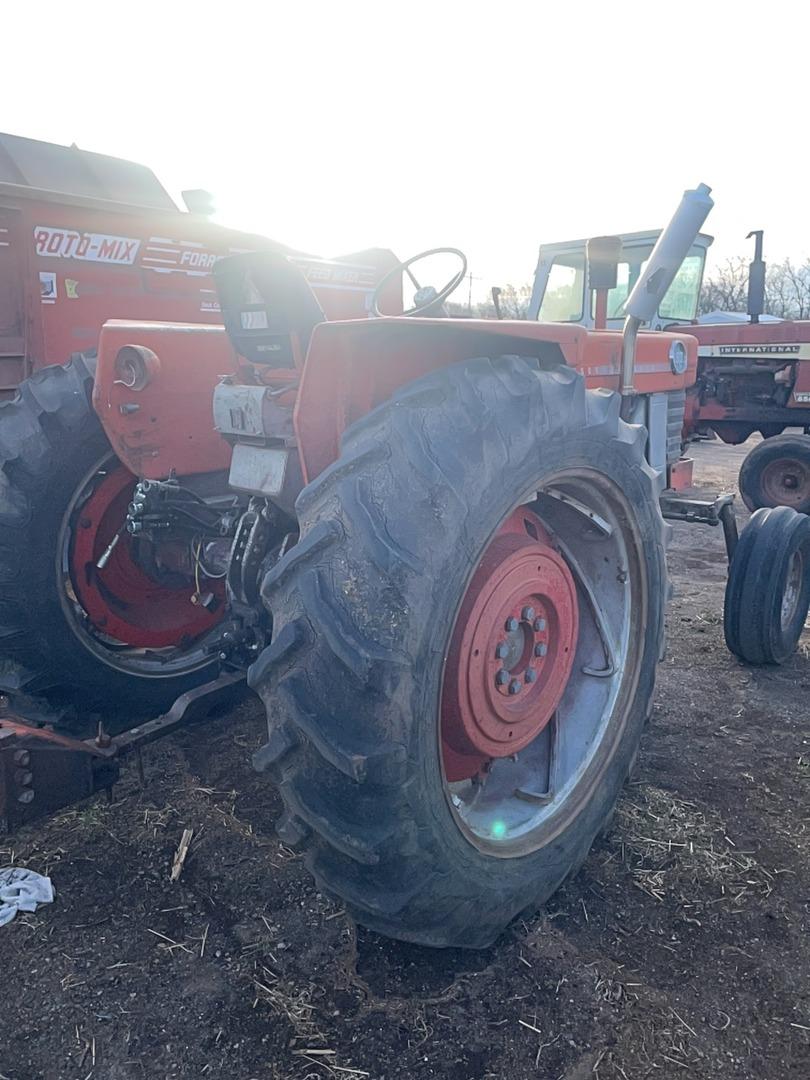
(267, 304)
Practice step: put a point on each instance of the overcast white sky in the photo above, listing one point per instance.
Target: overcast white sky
(488, 126)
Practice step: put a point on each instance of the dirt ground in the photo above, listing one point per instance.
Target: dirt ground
(680, 950)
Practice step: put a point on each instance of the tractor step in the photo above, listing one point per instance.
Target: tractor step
(716, 511)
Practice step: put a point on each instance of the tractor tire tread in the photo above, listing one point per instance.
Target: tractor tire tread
(349, 772)
(49, 437)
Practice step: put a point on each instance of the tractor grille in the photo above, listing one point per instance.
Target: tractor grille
(676, 404)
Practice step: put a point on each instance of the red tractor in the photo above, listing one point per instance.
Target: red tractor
(85, 238)
(435, 545)
(753, 374)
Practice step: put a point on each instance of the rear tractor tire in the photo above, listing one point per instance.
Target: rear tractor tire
(63, 498)
(777, 473)
(768, 589)
(465, 646)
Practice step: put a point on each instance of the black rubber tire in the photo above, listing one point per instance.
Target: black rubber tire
(791, 446)
(363, 607)
(757, 577)
(49, 438)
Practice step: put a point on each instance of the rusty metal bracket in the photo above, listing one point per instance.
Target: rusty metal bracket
(43, 770)
(716, 511)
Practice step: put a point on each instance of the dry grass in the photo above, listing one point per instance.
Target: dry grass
(309, 1043)
(678, 850)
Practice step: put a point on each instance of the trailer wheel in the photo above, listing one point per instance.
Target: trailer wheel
(768, 589)
(777, 473)
(112, 638)
(465, 646)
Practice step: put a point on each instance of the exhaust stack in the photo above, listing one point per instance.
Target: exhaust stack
(756, 278)
(651, 288)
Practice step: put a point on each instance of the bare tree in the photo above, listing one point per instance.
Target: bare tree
(787, 289)
(514, 301)
(514, 304)
(726, 289)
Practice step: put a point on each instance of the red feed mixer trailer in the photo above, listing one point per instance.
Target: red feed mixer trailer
(439, 551)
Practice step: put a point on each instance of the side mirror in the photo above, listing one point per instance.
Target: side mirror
(603, 254)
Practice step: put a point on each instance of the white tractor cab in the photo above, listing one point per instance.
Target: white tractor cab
(567, 282)
(654, 279)
(589, 282)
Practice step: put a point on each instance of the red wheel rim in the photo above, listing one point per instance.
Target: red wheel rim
(512, 648)
(786, 482)
(122, 601)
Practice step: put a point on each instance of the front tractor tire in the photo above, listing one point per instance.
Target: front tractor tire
(768, 589)
(465, 646)
(83, 639)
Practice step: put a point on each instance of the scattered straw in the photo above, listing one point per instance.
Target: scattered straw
(678, 850)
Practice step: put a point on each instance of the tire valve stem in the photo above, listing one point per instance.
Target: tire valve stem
(110, 548)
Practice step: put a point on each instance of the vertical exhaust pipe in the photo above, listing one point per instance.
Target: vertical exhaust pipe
(756, 278)
(651, 288)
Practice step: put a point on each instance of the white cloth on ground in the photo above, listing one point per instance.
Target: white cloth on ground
(22, 890)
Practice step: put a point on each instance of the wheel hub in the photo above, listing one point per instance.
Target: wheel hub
(786, 482)
(121, 600)
(512, 649)
(793, 588)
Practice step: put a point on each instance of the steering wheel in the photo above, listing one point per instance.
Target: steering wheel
(426, 297)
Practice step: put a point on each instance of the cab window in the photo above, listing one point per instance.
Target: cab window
(565, 288)
(628, 272)
(682, 296)
(681, 299)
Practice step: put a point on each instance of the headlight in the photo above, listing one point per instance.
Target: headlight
(678, 358)
(135, 367)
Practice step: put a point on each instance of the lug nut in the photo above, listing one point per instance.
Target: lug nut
(514, 687)
(23, 777)
(502, 678)
(22, 757)
(530, 675)
(501, 650)
(539, 625)
(511, 624)
(541, 649)
(26, 796)
(527, 614)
